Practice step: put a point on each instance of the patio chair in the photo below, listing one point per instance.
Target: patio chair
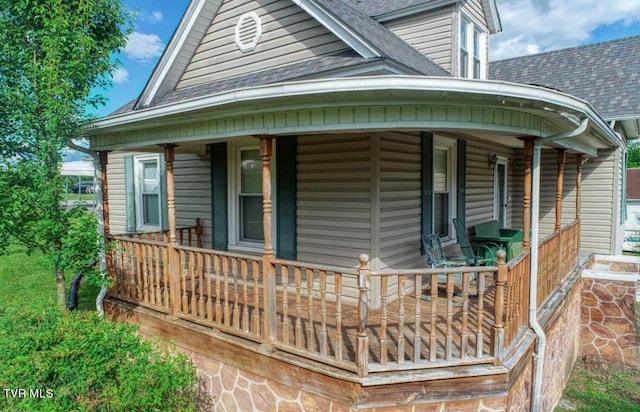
(436, 258)
(481, 254)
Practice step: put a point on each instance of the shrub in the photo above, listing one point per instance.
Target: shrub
(58, 361)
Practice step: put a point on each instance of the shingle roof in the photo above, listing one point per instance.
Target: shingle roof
(606, 74)
(384, 40)
(377, 7)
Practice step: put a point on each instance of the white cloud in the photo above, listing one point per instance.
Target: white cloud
(153, 17)
(121, 75)
(533, 26)
(143, 47)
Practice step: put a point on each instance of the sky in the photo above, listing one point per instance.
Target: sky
(529, 26)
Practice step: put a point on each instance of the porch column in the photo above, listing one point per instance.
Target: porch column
(559, 188)
(579, 163)
(103, 156)
(169, 157)
(268, 268)
(172, 253)
(526, 201)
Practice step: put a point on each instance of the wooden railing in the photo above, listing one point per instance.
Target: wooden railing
(354, 319)
(557, 256)
(185, 236)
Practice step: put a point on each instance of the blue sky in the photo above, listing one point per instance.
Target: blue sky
(529, 26)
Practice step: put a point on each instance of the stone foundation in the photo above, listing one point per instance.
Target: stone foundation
(610, 327)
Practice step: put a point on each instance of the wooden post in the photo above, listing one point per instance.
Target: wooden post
(559, 188)
(172, 253)
(526, 201)
(104, 160)
(362, 351)
(268, 267)
(500, 278)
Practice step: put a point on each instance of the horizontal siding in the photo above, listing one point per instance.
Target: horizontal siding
(289, 34)
(192, 176)
(400, 206)
(480, 182)
(192, 188)
(430, 33)
(334, 201)
(598, 196)
(116, 188)
(473, 9)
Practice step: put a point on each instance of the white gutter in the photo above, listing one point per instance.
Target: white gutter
(540, 98)
(533, 262)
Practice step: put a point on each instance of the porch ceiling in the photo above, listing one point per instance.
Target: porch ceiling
(494, 111)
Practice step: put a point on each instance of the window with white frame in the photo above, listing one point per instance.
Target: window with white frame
(444, 184)
(148, 191)
(472, 57)
(245, 198)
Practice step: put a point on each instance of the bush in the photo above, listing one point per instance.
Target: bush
(58, 361)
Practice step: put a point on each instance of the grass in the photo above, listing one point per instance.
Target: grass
(28, 278)
(596, 385)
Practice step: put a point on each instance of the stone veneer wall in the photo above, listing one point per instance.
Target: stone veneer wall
(610, 318)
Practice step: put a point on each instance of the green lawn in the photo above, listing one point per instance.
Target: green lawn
(28, 278)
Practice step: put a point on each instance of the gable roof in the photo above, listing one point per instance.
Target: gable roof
(368, 38)
(606, 74)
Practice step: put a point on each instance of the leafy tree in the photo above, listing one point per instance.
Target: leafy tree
(53, 54)
(633, 156)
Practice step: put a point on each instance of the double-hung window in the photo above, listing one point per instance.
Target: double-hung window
(148, 192)
(444, 184)
(250, 195)
(471, 56)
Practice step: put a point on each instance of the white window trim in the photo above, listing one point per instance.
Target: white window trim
(467, 44)
(137, 179)
(501, 160)
(450, 146)
(233, 160)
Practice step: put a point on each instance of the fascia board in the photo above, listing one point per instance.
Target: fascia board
(535, 97)
(171, 52)
(344, 32)
(492, 16)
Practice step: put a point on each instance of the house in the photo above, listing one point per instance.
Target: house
(607, 79)
(632, 225)
(317, 141)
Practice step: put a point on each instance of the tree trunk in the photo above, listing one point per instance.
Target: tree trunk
(60, 287)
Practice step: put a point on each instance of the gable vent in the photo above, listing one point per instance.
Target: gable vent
(248, 31)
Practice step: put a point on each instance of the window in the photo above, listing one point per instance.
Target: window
(444, 183)
(148, 205)
(471, 55)
(250, 196)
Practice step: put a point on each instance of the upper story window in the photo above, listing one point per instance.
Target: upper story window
(472, 50)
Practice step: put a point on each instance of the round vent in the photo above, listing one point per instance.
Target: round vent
(248, 31)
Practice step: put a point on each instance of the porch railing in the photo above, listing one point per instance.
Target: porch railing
(557, 256)
(418, 318)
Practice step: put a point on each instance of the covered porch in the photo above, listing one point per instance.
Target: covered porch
(357, 320)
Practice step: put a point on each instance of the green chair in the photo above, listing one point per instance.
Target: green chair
(508, 239)
(481, 254)
(436, 258)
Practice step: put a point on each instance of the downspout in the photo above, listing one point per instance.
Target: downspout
(97, 194)
(533, 263)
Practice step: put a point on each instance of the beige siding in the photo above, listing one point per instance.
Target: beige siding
(289, 34)
(480, 182)
(117, 197)
(430, 33)
(193, 192)
(334, 199)
(598, 202)
(192, 185)
(400, 182)
(473, 9)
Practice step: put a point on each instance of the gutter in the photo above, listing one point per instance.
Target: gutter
(538, 355)
(102, 256)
